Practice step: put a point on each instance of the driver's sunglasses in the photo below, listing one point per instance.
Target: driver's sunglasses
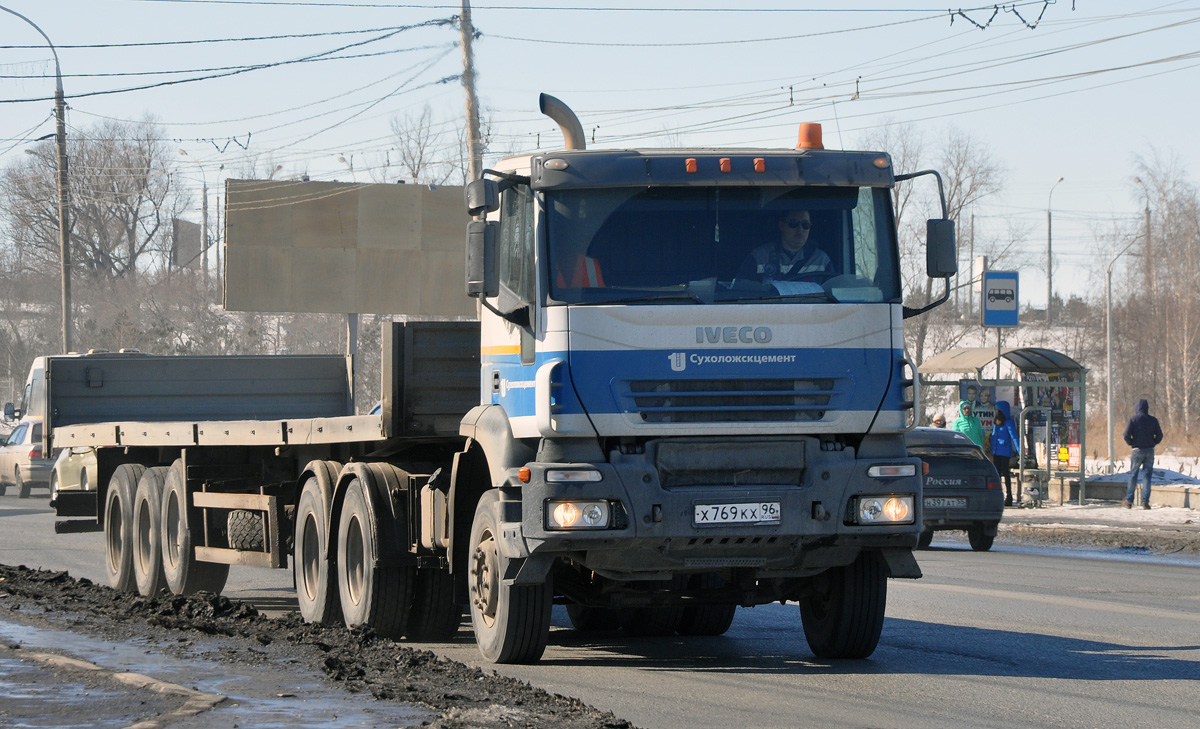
(801, 224)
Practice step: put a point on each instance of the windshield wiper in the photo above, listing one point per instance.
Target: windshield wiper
(680, 296)
(814, 296)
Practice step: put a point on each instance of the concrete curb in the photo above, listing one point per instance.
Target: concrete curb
(195, 702)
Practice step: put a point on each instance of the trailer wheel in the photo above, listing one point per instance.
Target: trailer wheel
(844, 618)
(706, 619)
(511, 622)
(118, 526)
(245, 529)
(434, 616)
(147, 532)
(316, 586)
(22, 486)
(185, 574)
(371, 592)
(589, 619)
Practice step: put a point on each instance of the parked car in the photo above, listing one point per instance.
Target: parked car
(961, 488)
(21, 462)
(74, 470)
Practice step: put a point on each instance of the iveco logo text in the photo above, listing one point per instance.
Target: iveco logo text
(733, 335)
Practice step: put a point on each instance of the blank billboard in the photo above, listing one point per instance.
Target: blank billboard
(345, 248)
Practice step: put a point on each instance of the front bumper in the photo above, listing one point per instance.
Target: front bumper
(654, 533)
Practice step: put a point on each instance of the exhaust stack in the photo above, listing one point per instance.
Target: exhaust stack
(567, 121)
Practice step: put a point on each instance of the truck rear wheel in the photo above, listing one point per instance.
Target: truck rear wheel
(511, 622)
(651, 621)
(185, 574)
(434, 616)
(707, 619)
(316, 583)
(844, 618)
(587, 618)
(371, 591)
(147, 532)
(118, 526)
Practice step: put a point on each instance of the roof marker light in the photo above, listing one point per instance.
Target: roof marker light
(726, 164)
(558, 165)
(760, 164)
(810, 136)
(689, 164)
(882, 163)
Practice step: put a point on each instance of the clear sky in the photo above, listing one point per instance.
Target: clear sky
(301, 83)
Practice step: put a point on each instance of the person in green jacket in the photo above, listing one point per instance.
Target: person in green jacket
(968, 424)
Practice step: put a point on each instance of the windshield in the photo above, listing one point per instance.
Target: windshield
(705, 245)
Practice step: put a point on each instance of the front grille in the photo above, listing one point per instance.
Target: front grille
(730, 401)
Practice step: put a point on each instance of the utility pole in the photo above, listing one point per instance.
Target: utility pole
(64, 227)
(971, 265)
(474, 144)
(1049, 255)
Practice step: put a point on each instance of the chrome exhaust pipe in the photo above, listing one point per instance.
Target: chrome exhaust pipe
(567, 121)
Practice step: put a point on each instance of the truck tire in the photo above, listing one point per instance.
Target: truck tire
(185, 574)
(924, 539)
(22, 486)
(589, 619)
(371, 592)
(245, 530)
(316, 581)
(706, 619)
(434, 615)
(980, 540)
(147, 532)
(511, 622)
(844, 618)
(118, 526)
(651, 621)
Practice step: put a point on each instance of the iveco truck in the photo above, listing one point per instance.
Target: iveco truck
(660, 414)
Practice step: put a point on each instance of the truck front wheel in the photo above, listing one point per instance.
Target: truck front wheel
(511, 622)
(185, 574)
(118, 526)
(844, 616)
(147, 532)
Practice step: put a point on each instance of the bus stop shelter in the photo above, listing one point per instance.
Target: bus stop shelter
(1047, 393)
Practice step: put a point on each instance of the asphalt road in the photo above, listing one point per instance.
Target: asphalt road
(1008, 638)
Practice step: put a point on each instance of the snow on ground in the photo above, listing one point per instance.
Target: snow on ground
(1168, 469)
(1106, 512)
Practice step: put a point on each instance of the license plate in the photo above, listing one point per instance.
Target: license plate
(944, 503)
(763, 512)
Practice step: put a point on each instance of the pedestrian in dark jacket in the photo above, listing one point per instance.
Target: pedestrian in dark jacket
(1006, 444)
(1142, 434)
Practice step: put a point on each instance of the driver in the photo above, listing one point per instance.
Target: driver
(789, 259)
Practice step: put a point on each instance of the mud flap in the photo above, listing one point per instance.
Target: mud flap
(900, 563)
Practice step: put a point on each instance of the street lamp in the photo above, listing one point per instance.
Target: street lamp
(64, 235)
(1108, 330)
(203, 223)
(1049, 256)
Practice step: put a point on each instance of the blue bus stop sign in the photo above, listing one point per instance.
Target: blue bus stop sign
(1000, 302)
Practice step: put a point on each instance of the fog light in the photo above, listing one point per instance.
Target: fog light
(558, 475)
(885, 510)
(577, 514)
(897, 471)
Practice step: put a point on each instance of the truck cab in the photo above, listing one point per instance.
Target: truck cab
(676, 407)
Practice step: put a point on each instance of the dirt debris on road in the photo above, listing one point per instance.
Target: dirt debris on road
(357, 659)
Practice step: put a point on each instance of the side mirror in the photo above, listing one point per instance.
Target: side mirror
(9, 411)
(483, 196)
(941, 260)
(482, 279)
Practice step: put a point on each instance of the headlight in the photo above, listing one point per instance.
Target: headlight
(577, 514)
(885, 510)
(584, 475)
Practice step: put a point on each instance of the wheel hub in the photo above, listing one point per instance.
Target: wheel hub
(485, 577)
